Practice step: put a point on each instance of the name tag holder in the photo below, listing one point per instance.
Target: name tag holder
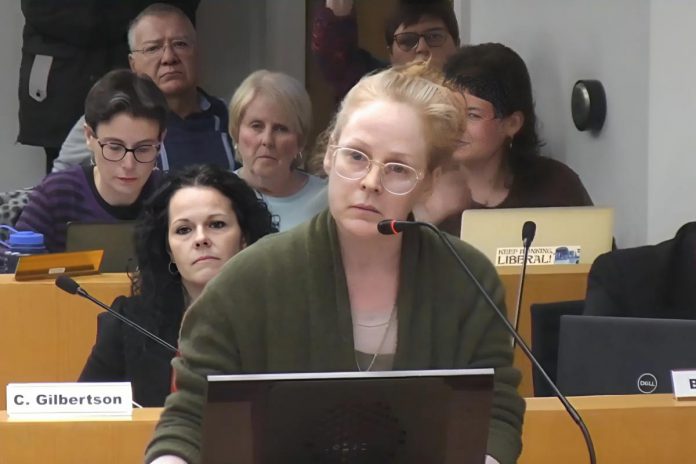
(64, 400)
(684, 384)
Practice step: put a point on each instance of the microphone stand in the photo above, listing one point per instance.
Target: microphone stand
(393, 227)
(520, 289)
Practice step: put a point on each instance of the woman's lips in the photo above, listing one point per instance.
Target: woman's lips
(368, 208)
(204, 258)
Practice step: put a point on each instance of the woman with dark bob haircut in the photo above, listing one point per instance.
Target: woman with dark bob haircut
(498, 156)
(198, 219)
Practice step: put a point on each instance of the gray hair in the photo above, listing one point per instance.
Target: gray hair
(156, 9)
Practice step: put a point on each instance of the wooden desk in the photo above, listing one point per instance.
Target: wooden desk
(544, 284)
(632, 429)
(45, 333)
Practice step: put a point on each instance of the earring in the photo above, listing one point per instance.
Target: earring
(298, 158)
(173, 271)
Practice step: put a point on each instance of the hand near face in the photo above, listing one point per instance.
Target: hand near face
(449, 194)
(340, 7)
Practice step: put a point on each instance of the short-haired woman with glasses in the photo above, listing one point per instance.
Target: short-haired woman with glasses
(336, 295)
(125, 118)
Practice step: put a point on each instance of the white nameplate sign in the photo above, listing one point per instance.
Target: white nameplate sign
(538, 255)
(45, 400)
(684, 384)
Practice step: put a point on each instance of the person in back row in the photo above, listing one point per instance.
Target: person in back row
(199, 218)
(162, 43)
(334, 294)
(497, 163)
(426, 30)
(125, 119)
(270, 117)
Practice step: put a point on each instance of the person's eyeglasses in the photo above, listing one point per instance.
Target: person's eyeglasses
(396, 178)
(407, 41)
(114, 151)
(155, 50)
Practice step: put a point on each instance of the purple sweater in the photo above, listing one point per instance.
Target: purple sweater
(71, 196)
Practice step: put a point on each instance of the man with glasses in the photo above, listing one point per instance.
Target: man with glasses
(417, 29)
(162, 43)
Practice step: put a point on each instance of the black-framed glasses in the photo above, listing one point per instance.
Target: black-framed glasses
(396, 178)
(156, 49)
(407, 41)
(114, 151)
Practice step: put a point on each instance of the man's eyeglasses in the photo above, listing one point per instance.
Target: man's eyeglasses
(407, 41)
(155, 50)
(114, 151)
(396, 178)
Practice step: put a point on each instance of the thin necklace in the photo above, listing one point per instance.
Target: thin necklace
(381, 344)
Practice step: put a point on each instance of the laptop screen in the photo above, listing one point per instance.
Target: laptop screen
(571, 235)
(116, 239)
(409, 417)
(601, 355)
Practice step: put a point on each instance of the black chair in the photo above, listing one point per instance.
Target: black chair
(546, 323)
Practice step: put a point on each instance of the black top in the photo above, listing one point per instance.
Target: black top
(544, 183)
(647, 281)
(122, 354)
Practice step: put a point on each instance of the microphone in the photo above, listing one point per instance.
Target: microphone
(528, 232)
(67, 284)
(393, 227)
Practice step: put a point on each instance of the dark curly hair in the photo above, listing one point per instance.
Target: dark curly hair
(497, 74)
(153, 283)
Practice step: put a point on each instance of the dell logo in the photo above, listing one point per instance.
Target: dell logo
(647, 383)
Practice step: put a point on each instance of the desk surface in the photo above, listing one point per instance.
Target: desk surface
(626, 429)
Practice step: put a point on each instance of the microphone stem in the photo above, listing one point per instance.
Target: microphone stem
(83, 293)
(520, 290)
(527, 351)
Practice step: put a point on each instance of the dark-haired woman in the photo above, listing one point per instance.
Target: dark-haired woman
(498, 160)
(199, 218)
(125, 118)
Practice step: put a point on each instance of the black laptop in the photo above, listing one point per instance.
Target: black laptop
(116, 239)
(601, 355)
(404, 417)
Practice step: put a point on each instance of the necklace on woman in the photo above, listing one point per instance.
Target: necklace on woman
(381, 344)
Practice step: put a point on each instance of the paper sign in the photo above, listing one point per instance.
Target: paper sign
(538, 256)
(34, 400)
(684, 384)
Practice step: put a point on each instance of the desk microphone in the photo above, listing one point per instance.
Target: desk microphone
(393, 227)
(67, 284)
(528, 232)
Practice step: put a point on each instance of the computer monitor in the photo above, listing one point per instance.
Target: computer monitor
(600, 355)
(574, 235)
(405, 417)
(116, 239)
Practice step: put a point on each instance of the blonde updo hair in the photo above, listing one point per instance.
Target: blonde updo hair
(286, 91)
(419, 86)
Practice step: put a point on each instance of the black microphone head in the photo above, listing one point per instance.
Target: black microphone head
(528, 232)
(67, 284)
(386, 227)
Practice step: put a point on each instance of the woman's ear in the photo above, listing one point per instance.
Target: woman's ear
(514, 123)
(87, 131)
(327, 161)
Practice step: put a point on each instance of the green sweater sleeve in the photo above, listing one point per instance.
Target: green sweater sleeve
(492, 348)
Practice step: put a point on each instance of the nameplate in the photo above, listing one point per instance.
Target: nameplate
(538, 255)
(49, 400)
(684, 384)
